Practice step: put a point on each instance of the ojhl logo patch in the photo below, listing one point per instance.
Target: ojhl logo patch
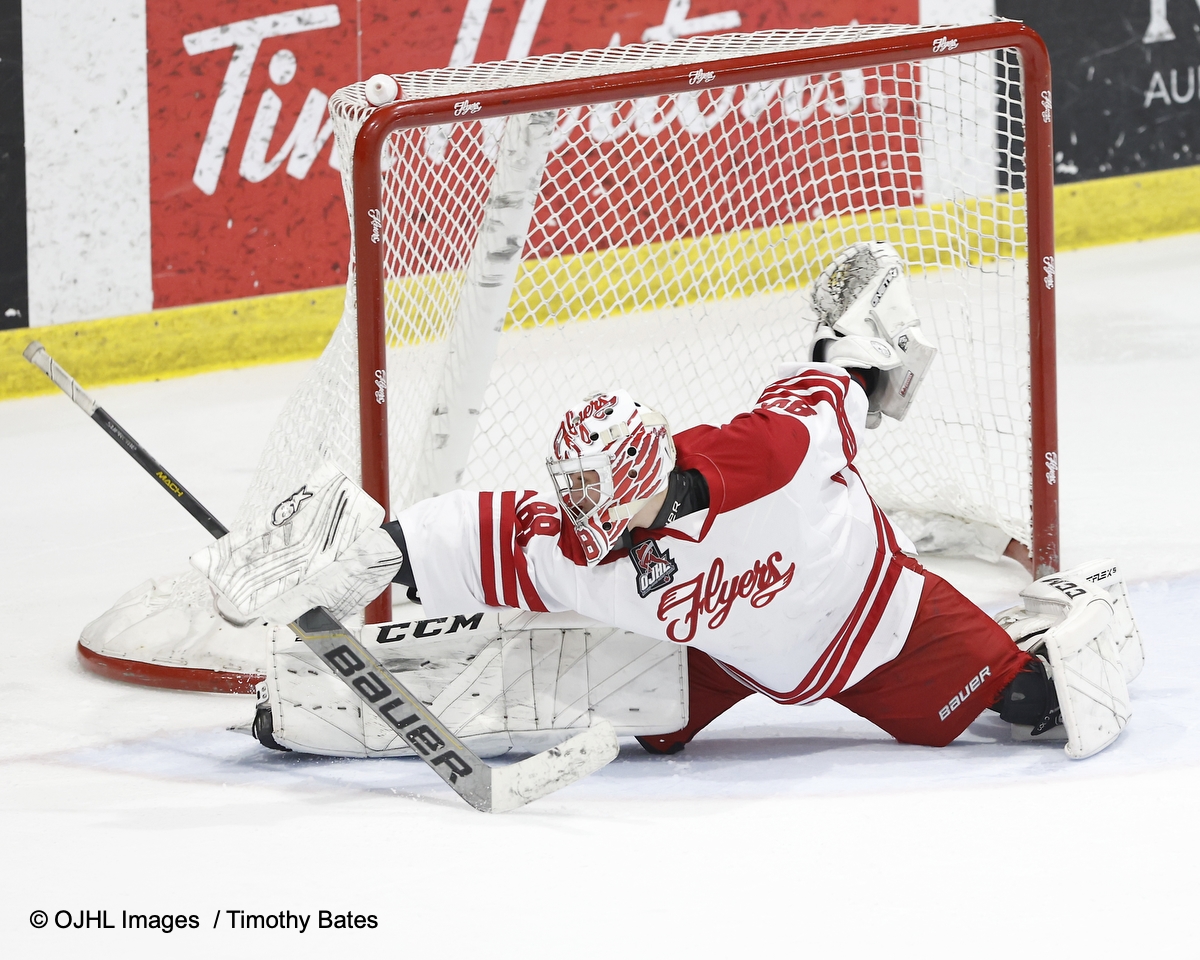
(655, 568)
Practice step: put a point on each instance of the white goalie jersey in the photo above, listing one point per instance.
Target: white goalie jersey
(792, 578)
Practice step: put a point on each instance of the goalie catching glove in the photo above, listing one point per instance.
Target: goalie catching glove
(867, 320)
(320, 547)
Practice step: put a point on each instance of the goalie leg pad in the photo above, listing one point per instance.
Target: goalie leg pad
(1026, 628)
(1104, 575)
(495, 685)
(1085, 666)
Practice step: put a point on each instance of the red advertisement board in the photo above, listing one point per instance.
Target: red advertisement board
(631, 172)
(246, 197)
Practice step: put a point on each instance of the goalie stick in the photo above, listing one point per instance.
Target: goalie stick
(488, 789)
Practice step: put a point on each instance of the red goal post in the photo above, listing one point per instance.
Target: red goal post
(874, 53)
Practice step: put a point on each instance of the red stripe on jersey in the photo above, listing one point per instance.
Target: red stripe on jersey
(487, 557)
(833, 390)
(798, 385)
(508, 536)
(849, 447)
(836, 654)
(867, 630)
(813, 387)
(829, 675)
(881, 520)
(528, 590)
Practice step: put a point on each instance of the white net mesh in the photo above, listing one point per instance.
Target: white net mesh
(666, 251)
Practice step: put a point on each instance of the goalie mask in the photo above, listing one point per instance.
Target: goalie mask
(610, 456)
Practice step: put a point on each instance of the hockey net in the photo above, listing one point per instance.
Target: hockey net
(649, 217)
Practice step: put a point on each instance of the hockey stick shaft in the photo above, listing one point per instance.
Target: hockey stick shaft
(36, 354)
(484, 788)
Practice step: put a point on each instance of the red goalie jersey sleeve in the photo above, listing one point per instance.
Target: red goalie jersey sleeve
(759, 452)
(789, 578)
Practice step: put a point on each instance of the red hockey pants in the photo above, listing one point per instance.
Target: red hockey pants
(953, 666)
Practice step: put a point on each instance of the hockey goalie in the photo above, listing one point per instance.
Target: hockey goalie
(668, 577)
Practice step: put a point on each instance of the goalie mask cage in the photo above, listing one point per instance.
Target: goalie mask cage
(650, 216)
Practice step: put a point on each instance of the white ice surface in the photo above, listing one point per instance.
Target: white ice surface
(803, 831)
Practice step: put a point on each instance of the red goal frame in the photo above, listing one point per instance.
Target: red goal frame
(930, 44)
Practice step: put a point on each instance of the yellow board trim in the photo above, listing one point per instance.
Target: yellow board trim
(1141, 206)
(183, 341)
(176, 342)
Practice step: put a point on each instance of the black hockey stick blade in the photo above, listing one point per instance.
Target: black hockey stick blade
(488, 789)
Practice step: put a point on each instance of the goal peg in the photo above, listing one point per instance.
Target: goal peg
(382, 89)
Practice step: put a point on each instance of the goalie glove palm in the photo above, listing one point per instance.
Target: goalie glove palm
(322, 546)
(864, 294)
